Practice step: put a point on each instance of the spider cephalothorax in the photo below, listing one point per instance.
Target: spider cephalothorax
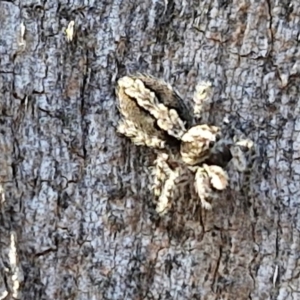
(155, 116)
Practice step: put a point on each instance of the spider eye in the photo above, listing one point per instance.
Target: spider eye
(218, 136)
(211, 144)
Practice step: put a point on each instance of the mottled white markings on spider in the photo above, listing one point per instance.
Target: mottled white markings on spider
(152, 115)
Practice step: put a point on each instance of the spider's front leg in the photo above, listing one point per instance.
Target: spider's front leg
(243, 154)
(208, 181)
(242, 149)
(164, 182)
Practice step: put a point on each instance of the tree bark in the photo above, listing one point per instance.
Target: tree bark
(77, 217)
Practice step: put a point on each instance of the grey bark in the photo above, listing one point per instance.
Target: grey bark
(77, 220)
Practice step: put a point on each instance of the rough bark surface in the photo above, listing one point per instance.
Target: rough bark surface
(77, 220)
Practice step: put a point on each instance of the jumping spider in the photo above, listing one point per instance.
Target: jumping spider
(154, 115)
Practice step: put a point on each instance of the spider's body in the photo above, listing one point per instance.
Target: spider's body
(154, 115)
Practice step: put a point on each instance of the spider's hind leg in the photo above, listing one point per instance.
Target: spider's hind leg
(167, 118)
(135, 123)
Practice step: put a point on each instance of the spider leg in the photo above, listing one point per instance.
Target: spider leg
(167, 96)
(218, 176)
(167, 118)
(136, 124)
(164, 182)
(202, 187)
(201, 99)
(208, 180)
(243, 153)
(138, 136)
